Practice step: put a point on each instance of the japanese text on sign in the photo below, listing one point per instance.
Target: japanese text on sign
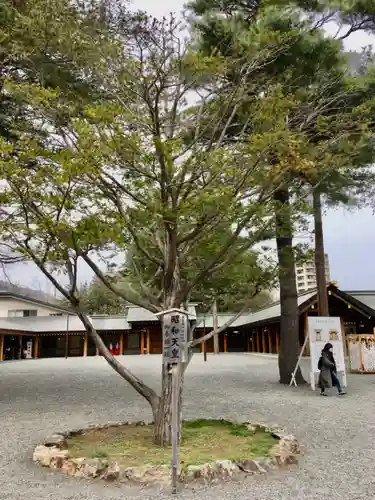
(174, 337)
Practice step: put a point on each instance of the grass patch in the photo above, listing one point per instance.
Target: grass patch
(202, 441)
(94, 453)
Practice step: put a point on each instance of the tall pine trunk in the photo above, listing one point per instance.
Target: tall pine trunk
(319, 256)
(289, 321)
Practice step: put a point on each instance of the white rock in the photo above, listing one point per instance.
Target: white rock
(44, 454)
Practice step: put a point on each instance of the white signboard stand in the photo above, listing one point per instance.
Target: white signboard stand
(321, 330)
(29, 350)
(175, 325)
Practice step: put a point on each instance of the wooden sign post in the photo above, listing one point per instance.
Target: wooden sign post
(175, 327)
(175, 428)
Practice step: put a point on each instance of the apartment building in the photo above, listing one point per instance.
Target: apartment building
(306, 274)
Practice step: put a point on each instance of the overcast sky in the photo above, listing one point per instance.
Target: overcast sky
(349, 236)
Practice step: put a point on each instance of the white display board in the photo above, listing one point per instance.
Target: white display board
(321, 330)
(29, 350)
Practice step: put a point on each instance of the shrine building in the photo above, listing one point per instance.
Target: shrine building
(32, 328)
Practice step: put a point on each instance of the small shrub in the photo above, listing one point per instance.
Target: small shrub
(98, 454)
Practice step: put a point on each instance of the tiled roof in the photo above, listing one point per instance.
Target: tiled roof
(33, 300)
(273, 311)
(365, 296)
(62, 323)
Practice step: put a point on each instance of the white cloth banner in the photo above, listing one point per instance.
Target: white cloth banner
(322, 330)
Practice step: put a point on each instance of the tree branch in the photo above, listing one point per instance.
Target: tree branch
(226, 325)
(137, 384)
(130, 296)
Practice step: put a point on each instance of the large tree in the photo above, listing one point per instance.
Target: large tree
(310, 73)
(119, 173)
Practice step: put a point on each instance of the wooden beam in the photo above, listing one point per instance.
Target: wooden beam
(85, 342)
(142, 342)
(36, 347)
(1, 347)
(343, 336)
(66, 344)
(225, 343)
(121, 343)
(148, 340)
(263, 341)
(259, 340)
(305, 331)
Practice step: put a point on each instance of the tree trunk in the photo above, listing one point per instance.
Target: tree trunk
(319, 256)
(163, 422)
(289, 321)
(215, 327)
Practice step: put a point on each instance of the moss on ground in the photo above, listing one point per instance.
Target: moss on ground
(202, 441)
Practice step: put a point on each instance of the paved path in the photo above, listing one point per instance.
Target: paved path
(39, 397)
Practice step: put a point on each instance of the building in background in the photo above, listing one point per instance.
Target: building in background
(306, 274)
(56, 332)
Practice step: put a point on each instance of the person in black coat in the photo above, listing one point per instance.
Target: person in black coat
(328, 371)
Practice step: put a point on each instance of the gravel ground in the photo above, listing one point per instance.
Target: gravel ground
(39, 397)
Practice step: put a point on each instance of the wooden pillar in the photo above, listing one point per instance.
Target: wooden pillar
(343, 336)
(66, 345)
(306, 329)
(148, 340)
(1, 347)
(248, 343)
(121, 343)
(36, 347)
(277, 340)
(259, 340)
(263, 341)
(85, 342)
(269, 340)
(225, 343)
(256, 340)
(215, 325)
(20, 346)
(142, 342)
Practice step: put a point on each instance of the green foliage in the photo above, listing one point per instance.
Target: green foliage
(329, 114)
(115, 173)
(96, 298)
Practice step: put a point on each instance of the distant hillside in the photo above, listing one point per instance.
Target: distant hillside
(5, 286)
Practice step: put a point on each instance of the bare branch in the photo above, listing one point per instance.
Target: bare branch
(129, 296)
(137, 384)
(226, 325)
